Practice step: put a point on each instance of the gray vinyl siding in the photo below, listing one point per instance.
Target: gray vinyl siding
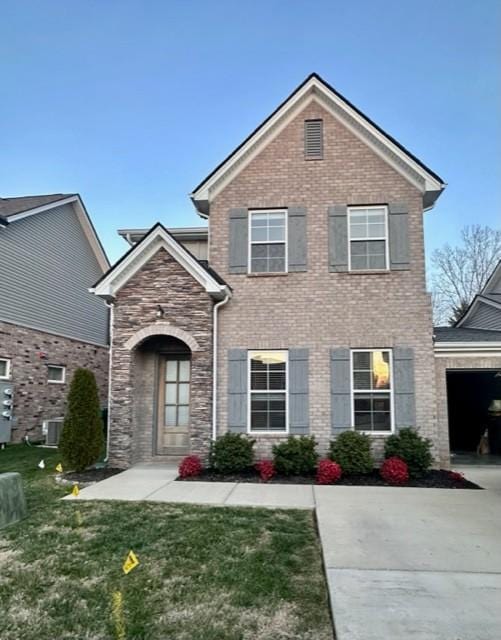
(485, 317)
(46, 268)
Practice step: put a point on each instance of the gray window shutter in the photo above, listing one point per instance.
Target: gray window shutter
(338, 238)
(237, 390)
(398, 226)
(239, 241)
(298, 392)
(403, 387)
(340, 390)
(296, 240)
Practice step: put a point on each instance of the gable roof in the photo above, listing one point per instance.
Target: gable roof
(18, 208)
(490, 295)
(158, 237)
(315, 88)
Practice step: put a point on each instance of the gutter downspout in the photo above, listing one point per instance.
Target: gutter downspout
(216, 308)
(111, 307)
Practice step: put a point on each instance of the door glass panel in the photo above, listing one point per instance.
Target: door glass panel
(170, 416)
(171, 393)
(183, 415)
(184, 393)
(171, 370)
(184, 370)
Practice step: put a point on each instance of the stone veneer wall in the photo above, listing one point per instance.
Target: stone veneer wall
(442, 365)
(187, 308)
(317, 309)
(35, 399)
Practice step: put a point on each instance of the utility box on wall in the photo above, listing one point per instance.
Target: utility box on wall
(6, 411)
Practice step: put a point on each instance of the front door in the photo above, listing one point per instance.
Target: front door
(174, 406)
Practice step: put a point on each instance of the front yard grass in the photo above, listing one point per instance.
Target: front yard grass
(205, 573)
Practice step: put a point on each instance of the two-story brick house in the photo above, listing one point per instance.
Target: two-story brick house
(49, 322)
(310, 314)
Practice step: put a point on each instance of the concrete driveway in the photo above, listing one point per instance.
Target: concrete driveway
(414, 563)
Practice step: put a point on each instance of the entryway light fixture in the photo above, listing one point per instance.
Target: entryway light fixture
(160, 311)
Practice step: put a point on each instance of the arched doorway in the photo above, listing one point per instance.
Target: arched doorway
(162, 407)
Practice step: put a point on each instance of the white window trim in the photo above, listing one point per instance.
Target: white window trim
(251, 242)
(7, 370)
(386, 238)
(56, 366)
(286, 431)
(381, 391)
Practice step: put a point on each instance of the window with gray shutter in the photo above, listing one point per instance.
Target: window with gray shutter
(238, 241)
(338, 237)
(398, 227)
(403, 384)
(268, 391)
(298, 392)
(237, 390)
(340, 390)
(297, 239)
(313, 139)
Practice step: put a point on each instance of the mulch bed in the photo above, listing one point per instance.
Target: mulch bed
(91, 475)
(434, 479)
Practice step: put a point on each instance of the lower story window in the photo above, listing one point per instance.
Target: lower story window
(372, 390)
(268, 391)
(4, 368)
(56, 373)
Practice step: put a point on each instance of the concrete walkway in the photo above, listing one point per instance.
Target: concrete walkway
(401, 563)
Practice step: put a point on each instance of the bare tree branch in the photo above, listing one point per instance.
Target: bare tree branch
(460, 273)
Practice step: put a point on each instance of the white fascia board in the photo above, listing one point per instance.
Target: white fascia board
(431, 183)
(143, 252)
(467, 349)
(83, 218)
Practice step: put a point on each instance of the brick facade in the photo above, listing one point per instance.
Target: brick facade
(35, 399)
(318, 309)
(187, 312)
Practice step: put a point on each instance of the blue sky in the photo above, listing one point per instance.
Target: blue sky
(132, 103)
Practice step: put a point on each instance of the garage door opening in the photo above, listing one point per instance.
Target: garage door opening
(469, 395)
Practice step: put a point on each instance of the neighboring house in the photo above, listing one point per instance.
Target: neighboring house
(468, 369)
(49, 322)
(311, 315)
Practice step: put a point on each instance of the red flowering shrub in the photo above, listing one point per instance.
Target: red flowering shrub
(266, 470)
(456, 476)
(328, 472)
(190, 466)
(394, 471)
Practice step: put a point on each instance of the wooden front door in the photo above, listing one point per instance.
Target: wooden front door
(174, 405)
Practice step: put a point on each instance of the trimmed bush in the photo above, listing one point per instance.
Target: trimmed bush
(412, 449)
(190, 466)
(352, 450)
(328, 472)
(232, 453)
(394, 471)
(296, 456)
(81, 441)
(266, 470)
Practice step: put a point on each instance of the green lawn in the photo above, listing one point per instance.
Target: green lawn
(205, 573)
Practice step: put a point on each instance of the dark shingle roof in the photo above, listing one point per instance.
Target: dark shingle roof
(458, 334)
(11, 206)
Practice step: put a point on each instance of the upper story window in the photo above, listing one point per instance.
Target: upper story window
(371, 390)
(268, 391)
(313, 139)
(368, 238)
(56, 373)
(268, 241)
(4, 369)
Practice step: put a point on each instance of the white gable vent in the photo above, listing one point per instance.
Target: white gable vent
(314, 139)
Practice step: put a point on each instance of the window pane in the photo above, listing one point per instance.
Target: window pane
(171, 393)
(170, 416)
(376, 230)
(276, 233)
(362, 360)
(268, 370)
(376, 248)
(183, 413)
(171, 370)
(377, 262)
(3, 368)
(363, 421)
(381, 369)
(276, 250)
(358, 230)
(184, 393)
(362, 380)
(184, 370)
(276, 265)
(259, 234)
(259, 220)
(55, 374)
(381, 421)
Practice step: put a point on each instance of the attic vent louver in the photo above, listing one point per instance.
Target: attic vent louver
(313, 139)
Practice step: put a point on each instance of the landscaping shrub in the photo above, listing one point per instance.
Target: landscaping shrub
(296, 456)
(328, 472)
(232, 453)
(352, 450)
(81, 440)
(412, 449)
(394, 471)
(190, 466)
(266, 470)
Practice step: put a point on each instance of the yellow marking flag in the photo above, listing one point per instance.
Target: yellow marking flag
(130, 563)
(59, 468)
(75, 491)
